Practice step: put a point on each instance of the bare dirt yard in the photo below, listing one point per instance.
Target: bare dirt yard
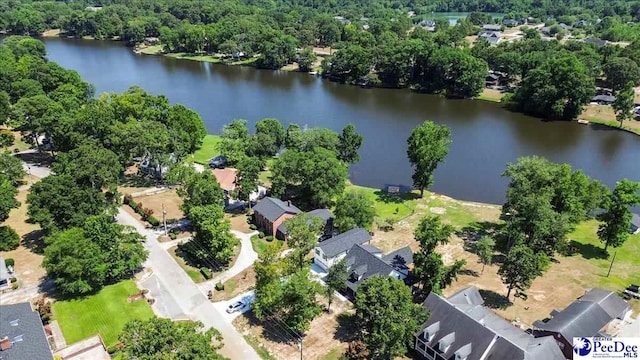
(238, 222)
(566, 279)
(604, 114)
(171, 202)
(327, 340)
(28, 256)
(237, 285)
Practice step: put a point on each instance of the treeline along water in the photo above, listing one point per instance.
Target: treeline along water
(485, 136)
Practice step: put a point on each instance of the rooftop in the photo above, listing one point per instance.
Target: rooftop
(345, 241)
(4, 272)
(272, 208)
(324, 214)
(226, 178)
(24, 335)
(363, 262)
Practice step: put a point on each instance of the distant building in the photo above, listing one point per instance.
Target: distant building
(22, 336)
(93, 8)
(635, 220)
(492, 37)
(510, 22)
(492, 79)
(342, 19)
(491, 27)
(428, 25)
(603, 99)
(323, 214)
(588, 316)
(597, 42)
(581, 23)
(461, 328)
(270, 213)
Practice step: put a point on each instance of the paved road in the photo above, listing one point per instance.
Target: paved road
(178, 288)
(246, 258)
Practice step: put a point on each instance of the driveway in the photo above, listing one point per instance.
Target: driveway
(246, 258)
(247, 298)
(177, 290)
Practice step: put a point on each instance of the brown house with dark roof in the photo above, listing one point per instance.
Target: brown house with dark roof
(270, 213)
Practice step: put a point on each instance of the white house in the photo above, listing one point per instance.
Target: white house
(331, 251)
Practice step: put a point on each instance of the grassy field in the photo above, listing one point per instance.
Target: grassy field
(490, 95)
(604, 115)
(104, 313)
(261, 245)
(152, 50)
(389, 206)
(195, 57)
(208, 150)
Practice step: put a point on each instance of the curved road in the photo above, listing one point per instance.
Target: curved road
(177, 285)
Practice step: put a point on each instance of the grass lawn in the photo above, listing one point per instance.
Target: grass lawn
(152, 50)
(195, 57)
(490, 95)
(104, 313)
(193, 272)
(208, 150)
(389, 206)
(604, 115)
(261, 245)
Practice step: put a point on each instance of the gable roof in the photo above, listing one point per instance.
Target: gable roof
(226, 178)
(492, 27)
(345, 241)
(399, 259)
(586, 316)
(17, 322)
(272, 208)
(635, 218)
(467, 296)
(323, 214)
(481, 333)
(363, 263)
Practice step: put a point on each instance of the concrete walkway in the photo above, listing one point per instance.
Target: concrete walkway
(246, 258)
(175, 289)
(58, 338)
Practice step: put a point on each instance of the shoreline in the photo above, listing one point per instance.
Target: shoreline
(156, 50)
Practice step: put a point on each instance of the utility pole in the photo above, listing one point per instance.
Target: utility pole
(611, 265)
(300, 346)
(164, 219)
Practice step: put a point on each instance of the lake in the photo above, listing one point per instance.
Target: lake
(485, 136)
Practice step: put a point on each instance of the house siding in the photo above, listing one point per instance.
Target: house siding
(324, 262)
(278, 222)
(267, 226)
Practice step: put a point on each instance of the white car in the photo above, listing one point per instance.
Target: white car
(236, 306)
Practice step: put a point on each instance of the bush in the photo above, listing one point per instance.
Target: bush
(253, 227)
(10, 262)
(261, 235)
(269, 238)
(127, 199)
(172, 235)
(133, 204)
(153, 221)
(139, 209)
(219, 286)
(9, 239)
(43, 307)
(14, 280)
(146, 213)
(206, 272)
(15, 286)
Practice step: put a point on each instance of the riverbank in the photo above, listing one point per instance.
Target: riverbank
(604, 115)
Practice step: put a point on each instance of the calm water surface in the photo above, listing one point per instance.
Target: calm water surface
(485, 136)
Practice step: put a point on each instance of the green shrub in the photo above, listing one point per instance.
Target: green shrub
(261, 235)
(10, 262)
(14, 285)
(127, 199)
(253, 227)
(14, 280)
(133, 204)
(172, 235)
(153, 221)
(9, 239)
(205, 272)
(219, 286)
(146, 213)
(269, 238)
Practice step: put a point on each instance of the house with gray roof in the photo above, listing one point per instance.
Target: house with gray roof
(329, 252)
(401, 260)
(493, 37)
(635, 221)
(324, 215)
(22, 336)
(590, 315)
(364, 262)
(603, 99)
(461, 328)
(491, 27)
(270, 213)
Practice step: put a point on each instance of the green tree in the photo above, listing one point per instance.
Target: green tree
(198, 189)
(316, 176)
(213, 242)
(235, 141)
(11, 169)
(620, 71)
(616, 220)
(247, 178)
(350, 143)
(303, 231)
(6, 138)
(293, 137)
(354, 209)
(306, 58)
(521, 267)
(269, 137)
(8, 200)
(5, 106)
(429, 269)
(56, 202)
(484, 250)
(624, 102)
(558, 89)
(299, 305)
(158, 338)
(428, 145)
(91, 166)
(269, 270)
(387, 316)
(9, 239)
(336, 279)
(186, 128)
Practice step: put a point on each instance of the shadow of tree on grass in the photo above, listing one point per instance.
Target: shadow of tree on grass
(347, 327)
(34, 241)
(587, 251)
(493, 300)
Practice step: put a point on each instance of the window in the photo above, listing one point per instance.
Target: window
(318, 252)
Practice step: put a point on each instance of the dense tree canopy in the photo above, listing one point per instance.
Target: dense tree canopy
(616, 219)
(521, 266)
(428, 145)
(354, 209)
(163, 338)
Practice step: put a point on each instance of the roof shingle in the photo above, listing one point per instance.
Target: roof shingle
(17, 322)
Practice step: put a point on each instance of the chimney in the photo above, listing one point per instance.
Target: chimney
(5, 343)
(288, 202)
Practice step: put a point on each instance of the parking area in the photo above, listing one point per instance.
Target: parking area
(246, 298)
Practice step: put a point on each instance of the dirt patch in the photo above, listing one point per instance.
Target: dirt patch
(28, 257)
(606, 113)
(169, 198)
(237, 285)
(325, 334)
(51, 33)
(238, 222)
(179, 236)
(135, 297)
